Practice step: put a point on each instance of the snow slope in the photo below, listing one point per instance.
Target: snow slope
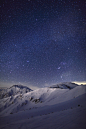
(45, 108)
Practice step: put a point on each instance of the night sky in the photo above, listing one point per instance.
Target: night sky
(43, 42)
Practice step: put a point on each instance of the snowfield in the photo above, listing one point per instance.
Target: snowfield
(62, 106)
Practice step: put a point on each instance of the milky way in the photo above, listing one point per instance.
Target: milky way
(42, 42)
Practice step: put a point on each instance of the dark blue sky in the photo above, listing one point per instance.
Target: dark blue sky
(42, 42)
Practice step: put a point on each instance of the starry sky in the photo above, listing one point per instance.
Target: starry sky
(43, 42)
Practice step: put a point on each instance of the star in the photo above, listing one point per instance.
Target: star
(59, 67)
(42, 41)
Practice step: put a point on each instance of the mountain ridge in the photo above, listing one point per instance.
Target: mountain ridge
(65, 85)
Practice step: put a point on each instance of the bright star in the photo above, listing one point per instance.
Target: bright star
(59, 67)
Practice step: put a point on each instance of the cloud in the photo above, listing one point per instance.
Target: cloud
(79, 83)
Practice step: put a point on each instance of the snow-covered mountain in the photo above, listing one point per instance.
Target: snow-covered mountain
(14, 90)
(60, 106)
(65, 85)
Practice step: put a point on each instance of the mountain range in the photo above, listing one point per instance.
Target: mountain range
(59, 106)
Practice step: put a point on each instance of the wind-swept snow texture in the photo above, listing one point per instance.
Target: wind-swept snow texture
(62, 107)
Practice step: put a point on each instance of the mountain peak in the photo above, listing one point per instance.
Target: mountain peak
(20, 86)
(14, 90)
